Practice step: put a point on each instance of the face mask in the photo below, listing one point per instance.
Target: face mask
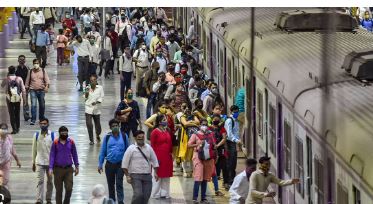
(115, 129)
(189, 53)
(36, 66)
(92, 42)
(143, 47)
(67, 16)
(200, 106)
(235, 115)
(21, 61)
(172, 31)
(130, 96)
(216, 122)
(163, 123)
(154, 28)
(44, 128)
(214, 91)
(183, 72)
(178, 80)
(366, 16)
(203, 128)
(63, 137)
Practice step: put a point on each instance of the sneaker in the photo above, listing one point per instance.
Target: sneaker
(32, 123)
(195, 202)
(98, 138)
(219, 193)
(204, 201)
(91, 143)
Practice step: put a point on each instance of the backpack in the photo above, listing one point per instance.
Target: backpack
(107, 137)
(37, 136)
(14, 91)
(29, 83)
(207, 151)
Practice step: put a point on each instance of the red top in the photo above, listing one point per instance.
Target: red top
(161, 143)
(70, 23)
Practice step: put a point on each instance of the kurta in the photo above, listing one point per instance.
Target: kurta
(161, 143)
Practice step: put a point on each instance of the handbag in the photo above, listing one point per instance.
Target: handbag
(123, 118)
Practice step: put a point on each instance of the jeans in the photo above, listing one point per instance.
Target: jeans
(221, 165)
(142, 188)
(37, 96)
(26, 108)
(88, 121)
(196, 189)
(127, 128)
(114, 176)
(14, 114)
(42, 171)
(125, 83)
(26, 25)
(41, 55)
(83, 65)
(150, 104)
(232, 161)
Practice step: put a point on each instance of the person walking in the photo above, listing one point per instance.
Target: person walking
(42, 40)
(126, 69)
(61, 45)
(25, 15)
(137, 165)
(37, 84)
(113, 148)
(141, 58)
(7, 150)
(15, 91)
(94, 95)
(260, 180)
(36, 21)
(161, 142)
(131, 106)
(63, 154)
(95, 55)
(22, 71)
(41, 146)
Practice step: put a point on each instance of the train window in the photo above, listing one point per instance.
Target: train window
(260, 114)
(299, 165)
(243, 76)
(356, 192)
(207, 51)
(221, 67)
(272, 129)
(319, 180)
(204, 43)
(234, 75)
(287, 146)
(214, 59)
(342, 194)
(229, 76)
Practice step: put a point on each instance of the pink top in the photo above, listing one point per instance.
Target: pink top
(6, 149)
(38, 80)
(61, 40)
(19, 80)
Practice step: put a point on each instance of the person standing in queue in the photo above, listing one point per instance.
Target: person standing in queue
(62, 156)
(161, 142)
(113, 148)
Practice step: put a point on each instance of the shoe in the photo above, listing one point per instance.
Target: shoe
(98, 139)
(91, 143)
(219, 177)
(49, 202)
(38, 202)
(227, 186)
(219, 193)
(80, 89)
(195, 202)
(204, 201)
(32, 123)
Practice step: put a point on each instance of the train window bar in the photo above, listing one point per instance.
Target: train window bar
(280, 85)
(309, 116)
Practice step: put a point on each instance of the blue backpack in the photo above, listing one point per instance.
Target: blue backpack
(37, 136)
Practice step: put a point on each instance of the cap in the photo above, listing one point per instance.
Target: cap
(263, 159)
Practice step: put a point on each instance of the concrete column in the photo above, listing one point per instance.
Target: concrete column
(5, 40)
(10, 31)
(15, 23)
(2, 51)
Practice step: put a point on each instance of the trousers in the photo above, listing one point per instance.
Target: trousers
(88, 121)
(142, 188)
(41, 172)
(63, 177)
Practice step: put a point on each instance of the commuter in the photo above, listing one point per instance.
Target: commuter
(160, 15)
(196, 51)
(180, 96)
(131, 107)
(22, 71)
(260, 180)
(173, 47)
(15, 91)
(191, 31)
(150, 78)
(94, 96)
(121, 29)
(112, 149)
(42, 40)
(160, 109)
(98, 196)
(62, 40)
(6, 199)
(367, 22)
(161, 143)
(164, 48)
(195, 91)
(41, 146)
(203, 167)
(198, 111)
(36, 21)
(141, 59)
(177, 55)
(7, 151)
(241, 184)
(62, 155)
(96, 35)
(84, 52)
(138, 39)
(50, 46)
(87, 21)
(160, 88)
(164, 31)
(151, 32)
(210, 99)
(107, 55)
(95, 55)
(232, 127)
(154, 42)
(161, 59)
(209, 82)
(137, 165)
(124, 40)
(50, 15)
(70, 23)
(170, 73)
(25, 15)
(37, 84)
(126, 69)
(114, 46)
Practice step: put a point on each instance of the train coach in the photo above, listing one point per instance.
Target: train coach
(323, 137)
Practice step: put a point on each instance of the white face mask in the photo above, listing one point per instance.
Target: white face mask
(36, 66)
(143, 47)
(154, 28)
(190, 53)
(139, 32)
(203, 128)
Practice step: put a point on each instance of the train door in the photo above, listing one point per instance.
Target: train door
(319, 187)
(309, 170)
(300, 162)
(331, 179)
(285, 146)
(212, 55)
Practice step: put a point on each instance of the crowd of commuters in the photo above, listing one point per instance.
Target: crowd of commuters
(189, 133)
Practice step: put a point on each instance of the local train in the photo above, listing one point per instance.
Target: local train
(326, 140)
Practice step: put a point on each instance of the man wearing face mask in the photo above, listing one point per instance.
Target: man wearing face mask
(22, 71)
(36, 21)
(160, 58)
(41, 146)
(41, 42)
(85, 55)
(138, 39)
(154, 42)
(177, 56)
(113, 148)
(260, 180)
(62, 156)
(70, 23)
(141, 59)
(150, 78)
(95, 34)
(240, 186)
(173, 47)
(232, 126)
(209, 100)
(150, 33)
(164, 31)
(367, 22)
(120, 27)
(95, 55)
(37, 84)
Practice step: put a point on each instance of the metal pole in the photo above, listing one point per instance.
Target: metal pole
(251, 95)
(103, 26)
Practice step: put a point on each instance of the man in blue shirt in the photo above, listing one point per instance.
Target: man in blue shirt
(112, 149)
(367, 22)
(41, 42)
(232, 127)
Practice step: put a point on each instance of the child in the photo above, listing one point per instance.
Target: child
(61, 44)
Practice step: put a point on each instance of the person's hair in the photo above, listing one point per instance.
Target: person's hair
(44, 119)
(251, 162)
(159, 119)
(234, 108)
(21, 56)
(35, 60)
(3, 125)
(202, 120)
(198, 101)
(184, 66)
(11, 70)
(113, 121)
(63, 129)
(177, 75)
(216, 116)
(264, 159)
(138, 132)
(78, 36)
(126, 92)
(60, 31)
(93, 75)
(213, 83)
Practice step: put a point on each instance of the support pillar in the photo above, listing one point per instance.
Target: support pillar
(15, 23)
(5, 39)
(10, 31)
